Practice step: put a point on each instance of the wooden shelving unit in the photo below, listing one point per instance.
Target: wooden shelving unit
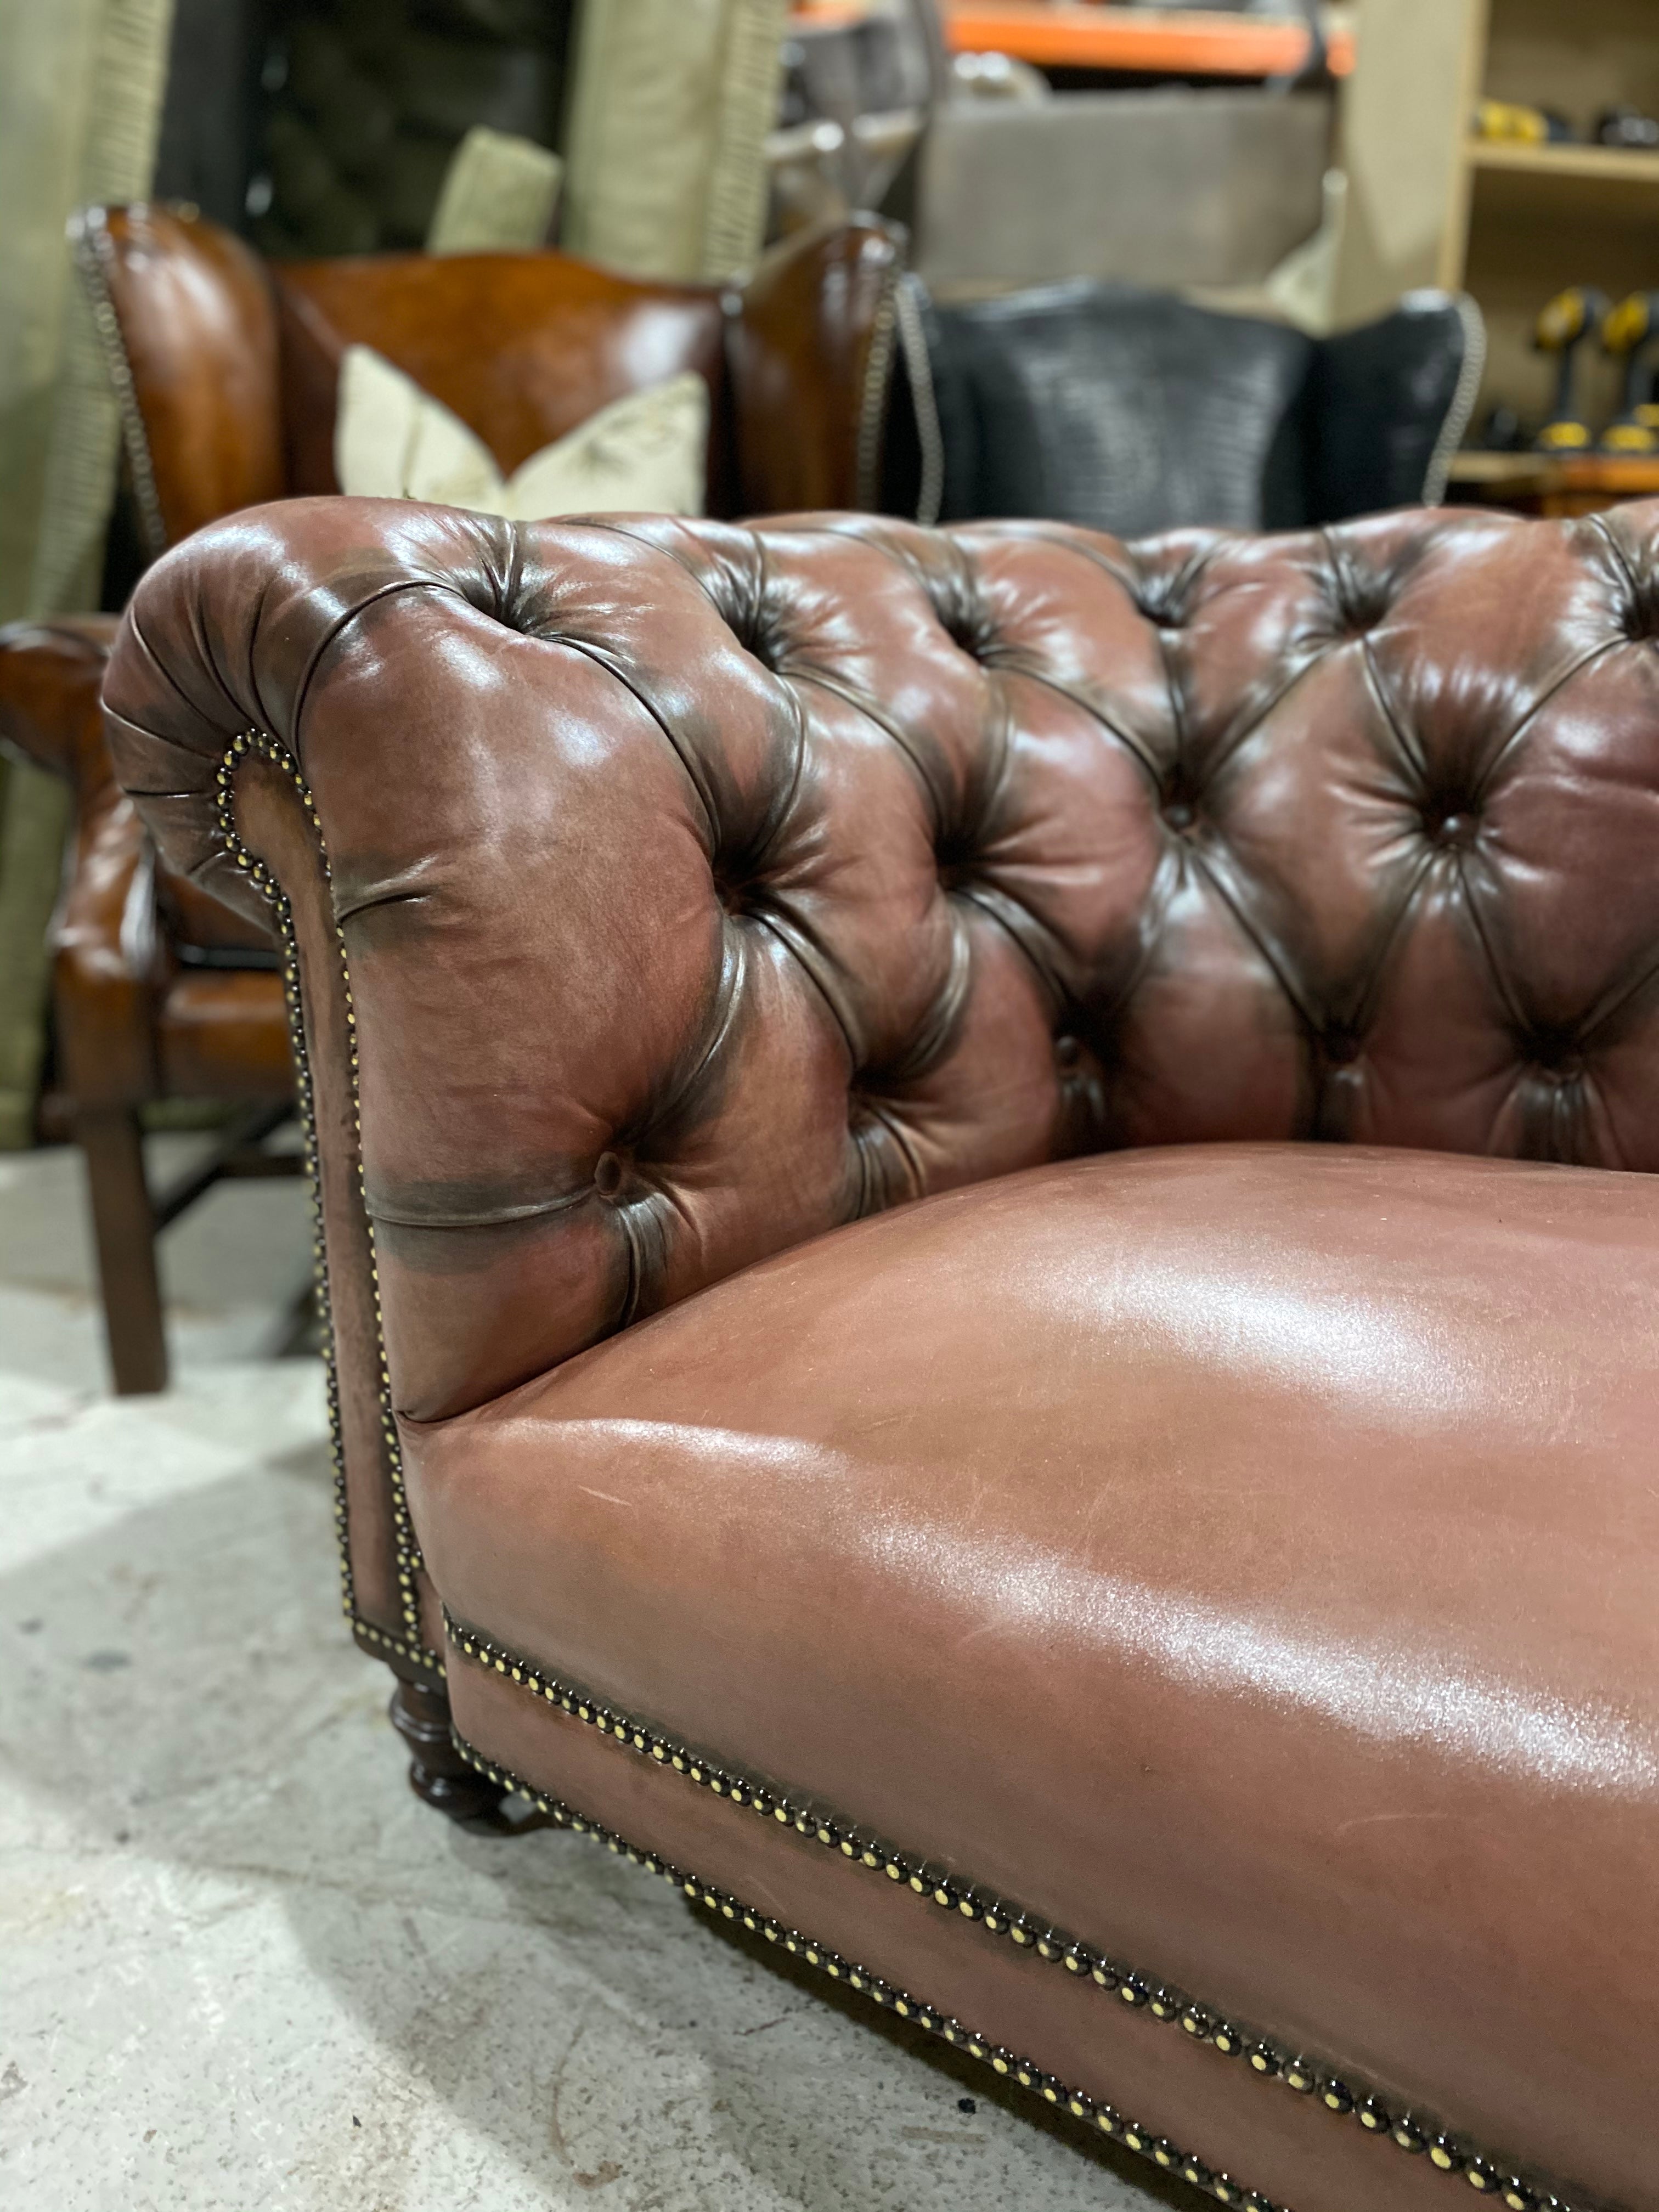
(1575, 484)
(1549, 166)
(1094, 34)
(1522, 222)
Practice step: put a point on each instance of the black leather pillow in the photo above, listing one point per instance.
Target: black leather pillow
(1135, 411)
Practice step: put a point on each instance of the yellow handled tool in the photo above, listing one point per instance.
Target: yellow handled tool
(1629, 333)
(1564, 326)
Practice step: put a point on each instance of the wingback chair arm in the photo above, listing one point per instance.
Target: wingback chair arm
(811, 349)
(107, 955)
(185, 314)
(111, 961)
(51, 674)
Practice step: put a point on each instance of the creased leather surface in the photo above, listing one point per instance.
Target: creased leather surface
(706, 889)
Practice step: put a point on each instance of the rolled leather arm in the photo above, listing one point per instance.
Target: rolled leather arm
(811, 348)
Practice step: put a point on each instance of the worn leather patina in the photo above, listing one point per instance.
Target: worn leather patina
(1011, 1191)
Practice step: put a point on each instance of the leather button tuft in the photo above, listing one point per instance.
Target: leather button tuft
(1455, 829)
(608, 1174)
(1163, 603)
(1067, 1051)
(966, 620)
(755, 628)
(1361, 601)
(1179, 814)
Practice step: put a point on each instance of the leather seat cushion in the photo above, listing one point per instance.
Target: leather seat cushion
(1240, 1558)
(223, 1033)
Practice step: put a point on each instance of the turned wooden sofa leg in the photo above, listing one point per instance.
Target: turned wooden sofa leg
(437, 1772)
(123, 1229)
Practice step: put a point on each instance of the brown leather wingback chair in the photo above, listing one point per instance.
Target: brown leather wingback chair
(987, 1297)
(226, 370)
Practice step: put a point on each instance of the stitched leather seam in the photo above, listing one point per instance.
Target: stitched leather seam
(1500, 982)
(1411, 752)
(94, 249)
(1471, 375)
(1133, 746)
(792, 937)
(1617, 997)
(393, 589)
(1617, 554)
(1103, 2117)
(1484, 783)
(1280, 970)
(1236, 740)
(784, 805)
(1270, 2061)
(409, 1647)
(804, 672)
(704, 797)
(872, 397)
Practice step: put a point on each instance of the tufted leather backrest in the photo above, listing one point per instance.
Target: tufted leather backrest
(702, 887)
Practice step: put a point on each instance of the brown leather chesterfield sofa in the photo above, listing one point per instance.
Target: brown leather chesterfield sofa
(226, 370)
(988, 1301)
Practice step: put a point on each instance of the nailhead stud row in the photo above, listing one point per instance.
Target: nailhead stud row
(409, 1646)
(1141, 1993)
(1103, 2117)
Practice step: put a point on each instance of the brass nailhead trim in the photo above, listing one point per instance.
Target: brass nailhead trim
(1140, 1992)
(1105, 2117)
(407, 1557)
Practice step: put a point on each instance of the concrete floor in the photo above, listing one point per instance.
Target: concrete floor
(242, 1968)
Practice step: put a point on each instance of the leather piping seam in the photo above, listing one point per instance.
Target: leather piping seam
(406, 1553)
(1268, 2060)
(872, 400)
(90, 240)
(1103, 2117)
(1471, 374)
(924, 400)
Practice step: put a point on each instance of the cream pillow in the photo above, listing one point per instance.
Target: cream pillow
(647, 453)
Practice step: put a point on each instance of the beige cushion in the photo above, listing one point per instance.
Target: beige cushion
(647, 453)
(498, 197)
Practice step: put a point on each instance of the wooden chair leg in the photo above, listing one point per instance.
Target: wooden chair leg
(124, 1226)
(437, 1773)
